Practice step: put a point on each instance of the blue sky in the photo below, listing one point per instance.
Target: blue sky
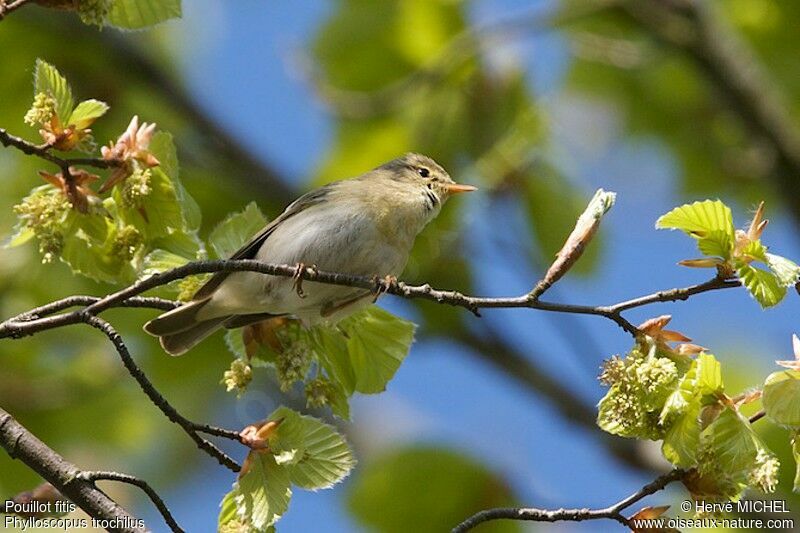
(238, 60)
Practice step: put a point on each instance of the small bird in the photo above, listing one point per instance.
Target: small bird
(362, 226)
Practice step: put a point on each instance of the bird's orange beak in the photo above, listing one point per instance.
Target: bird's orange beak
(456, 188)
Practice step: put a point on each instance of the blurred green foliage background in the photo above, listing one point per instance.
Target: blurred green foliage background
(535, 104)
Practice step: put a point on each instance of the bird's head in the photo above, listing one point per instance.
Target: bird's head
(424, 178)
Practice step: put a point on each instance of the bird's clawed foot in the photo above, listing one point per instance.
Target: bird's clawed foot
(382, 286)
(297, 284)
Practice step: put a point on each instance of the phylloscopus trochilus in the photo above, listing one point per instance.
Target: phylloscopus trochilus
(362, 226)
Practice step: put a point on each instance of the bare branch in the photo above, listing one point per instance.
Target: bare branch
(132, 480)
(64, 476)
(170, 412)
(14, 328)
(7, 7)
(613, 512)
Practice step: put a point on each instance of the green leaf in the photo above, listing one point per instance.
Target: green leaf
(708, 377)
(709, 221)
(46, 79)
(315, 454)
(161, 260)
(377, 342)
(756, 251)
(786, 270)
(163, 148)
(161, 212)
(262, 494)
(339, 403)
(21, 235)
(682, 439)
(702, 382)
(88, 248)
(86, 113)
(227, 509)
(385, 495)
(236, 230)
(763, 285)
(137, 14)
(781, 398)
(717, 243)
(332, 351)
(731, 441)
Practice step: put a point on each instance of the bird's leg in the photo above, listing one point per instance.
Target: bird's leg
(382, 286)
(297, 284)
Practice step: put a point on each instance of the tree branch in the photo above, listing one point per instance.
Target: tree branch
(158, 400)
(613, 512)
(14, 328)
(131, 480)
(43, 151)
(8, 7)
(23, 445)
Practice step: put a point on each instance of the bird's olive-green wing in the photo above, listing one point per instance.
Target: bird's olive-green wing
(249, 250)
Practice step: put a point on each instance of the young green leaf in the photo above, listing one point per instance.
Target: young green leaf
(315, 454)
(236, 230)
(682, 439)
(47, 80)
(735, 456)
(709, 221)
(716, 243)
(781, 398)
(377, 343)
(754, 250)
(162, 146)
(152, 207)
(786, 270)
(21, 235)
(730, 440)
(161, 260)
(331, 349)
(86, 113)
(764, 286)
(262, 494)
(227, 510)
(137, 14)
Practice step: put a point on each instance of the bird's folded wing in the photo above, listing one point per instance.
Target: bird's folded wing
(249, 250)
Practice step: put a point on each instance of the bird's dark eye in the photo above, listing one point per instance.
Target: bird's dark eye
(424, 172)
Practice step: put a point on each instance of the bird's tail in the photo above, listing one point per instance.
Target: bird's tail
(179, 330)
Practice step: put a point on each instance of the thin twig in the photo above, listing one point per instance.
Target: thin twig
(132, 480)
(613, 512)
(170, 412)
(44, 151)
(8, 7)
(14, 328)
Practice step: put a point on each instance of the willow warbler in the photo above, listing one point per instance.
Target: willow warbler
(362, 226)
